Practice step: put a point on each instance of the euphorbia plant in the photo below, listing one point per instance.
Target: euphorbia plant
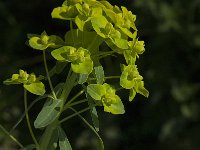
(92, 23)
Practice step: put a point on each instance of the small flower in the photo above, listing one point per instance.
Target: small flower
(131, 79)
(107, 97)
(29, 81)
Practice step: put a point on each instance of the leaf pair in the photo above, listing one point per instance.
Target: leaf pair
(43, 41)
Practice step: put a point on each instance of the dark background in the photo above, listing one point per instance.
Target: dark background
(168, 120)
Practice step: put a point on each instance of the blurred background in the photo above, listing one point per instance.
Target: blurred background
(168, 120)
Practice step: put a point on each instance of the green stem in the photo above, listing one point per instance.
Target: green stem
(75, 97)
(28, 121)
(23, 115)
(103, 54)
(10, 136)
(78, 102)
(69, 84)
(48, 77)
(77, 113)
(91, 127)
(110, 77)
(46, 137)
(71, 28)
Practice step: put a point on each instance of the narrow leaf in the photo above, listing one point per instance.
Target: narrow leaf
(48, 114)
(63, 140)
(82, 78)
(93, 113)
(99, 72)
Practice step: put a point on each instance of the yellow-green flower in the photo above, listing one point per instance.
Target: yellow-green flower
(107, 97)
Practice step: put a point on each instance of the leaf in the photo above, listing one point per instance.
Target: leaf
(93, 112)
(63, 140)
(99, 72)
(83, 39)
(99, 23)
(85, 67)
(96, 91)
(82, 78)
(132, 94)
(37, 88)
(80, 21)
(53, 143)
(64, 12)
(28, 147)
(48, 114)
(121, 43)
(36, 43)
(115, 108)
(60, 54)
(141, 89)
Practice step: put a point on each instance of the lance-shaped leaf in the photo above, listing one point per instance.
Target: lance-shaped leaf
(48, 114)
(63, 140)
(82, 78)
(99, 72)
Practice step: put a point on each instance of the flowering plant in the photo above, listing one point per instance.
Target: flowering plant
(92, 23)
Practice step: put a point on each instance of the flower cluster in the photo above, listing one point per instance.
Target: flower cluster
(29, 81)
(97, 22)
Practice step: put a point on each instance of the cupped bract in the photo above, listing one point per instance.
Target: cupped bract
(30, 82)
(106, 95)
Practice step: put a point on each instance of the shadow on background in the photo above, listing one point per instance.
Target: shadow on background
(168, 120)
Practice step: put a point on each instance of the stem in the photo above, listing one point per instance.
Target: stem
(103, 54)
(75, 97)
(71, 28)
(77, 113)
(110, 77)
(79, 102)
(28, 121)
(91, 127)
(48, 77)
(10, 136)
(69, 84)
(29, 107)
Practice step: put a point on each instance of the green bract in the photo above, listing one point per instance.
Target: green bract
(106, 95)
(130, 79)
(29, 81)
(79, 58)
(43, 41)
